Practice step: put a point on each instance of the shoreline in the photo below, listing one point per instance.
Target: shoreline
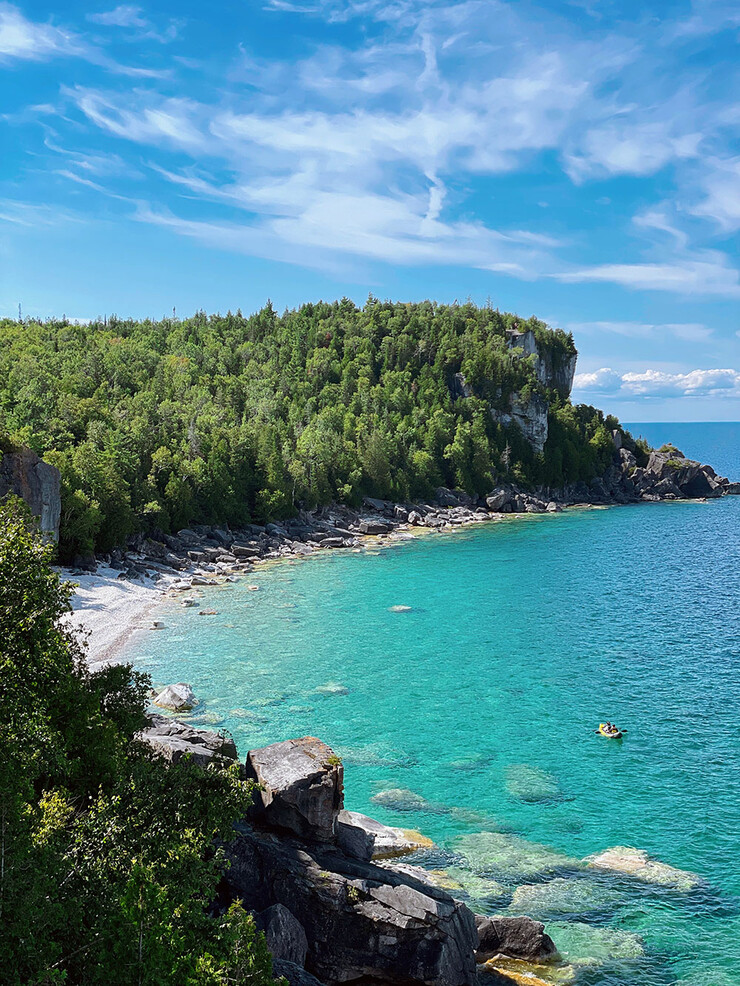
(107, 610)
(112, 603)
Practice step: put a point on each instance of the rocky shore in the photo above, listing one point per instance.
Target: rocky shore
(343, 898)
(328, 888)
(204, 555)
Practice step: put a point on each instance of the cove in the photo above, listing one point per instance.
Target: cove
(471, 714)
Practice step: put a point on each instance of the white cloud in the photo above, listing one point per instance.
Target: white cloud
(124, 15)
(24, 39)
(169, 121)
(659, 383)
(721, 186)
(629, 147)
(710, 277)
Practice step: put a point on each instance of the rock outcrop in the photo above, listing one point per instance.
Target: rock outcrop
(515, 937)
(554, 370)
(362, 921)
(174, 740)
(529, 415)
(37, 483)
(301, 787)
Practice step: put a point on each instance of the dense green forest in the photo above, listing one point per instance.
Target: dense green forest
(109, 865)
(231, 418)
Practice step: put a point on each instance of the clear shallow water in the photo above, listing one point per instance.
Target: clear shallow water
(482, 701)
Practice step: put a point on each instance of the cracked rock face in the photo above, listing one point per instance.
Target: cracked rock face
(175, 740)
(37, 483)
(301, 784)
(361, 920)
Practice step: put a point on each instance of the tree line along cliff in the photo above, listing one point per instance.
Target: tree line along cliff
(232, 418)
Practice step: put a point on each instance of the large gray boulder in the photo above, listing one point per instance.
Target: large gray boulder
(174, 740)
(301, 787)
(365, 838)
(374, 526)
(361, 921)
(36, 482)
(178, 698)
(284, 934)
(514, 937)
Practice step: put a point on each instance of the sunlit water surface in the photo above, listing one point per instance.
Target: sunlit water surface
(471, 716)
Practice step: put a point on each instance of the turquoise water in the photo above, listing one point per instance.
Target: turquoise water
(471, 716)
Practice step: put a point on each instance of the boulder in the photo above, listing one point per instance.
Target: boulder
(415, 517)
(301, 787)
(497, 500)
(178, 698)
(174, 740)
(637, 863)
(374, 504)
(284, 934)
(245, 551)
(514, 937)
(361, 921)
(374, 526)
(364, 838)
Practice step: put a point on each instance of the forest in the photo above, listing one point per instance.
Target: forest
(232, 418)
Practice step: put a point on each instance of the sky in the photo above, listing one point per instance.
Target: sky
(577, 160)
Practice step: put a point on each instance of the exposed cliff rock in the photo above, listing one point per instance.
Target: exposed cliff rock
(554, 370)
(529, 415)
(37, 483)
(300, 787)
(361, 920)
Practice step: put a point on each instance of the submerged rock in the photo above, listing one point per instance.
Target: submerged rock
(637, 863)
(178, 698)
(511, 859)
(579, 898)
(531, 784)
(300, 787)
(586, 944)
(332, 688)
(402, 800)
(399, 609)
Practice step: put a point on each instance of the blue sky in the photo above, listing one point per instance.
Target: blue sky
(575, 160)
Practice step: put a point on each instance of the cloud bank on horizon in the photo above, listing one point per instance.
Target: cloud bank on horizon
(575, 159)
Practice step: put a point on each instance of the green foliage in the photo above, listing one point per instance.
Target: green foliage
(226, 418)
(109, 857)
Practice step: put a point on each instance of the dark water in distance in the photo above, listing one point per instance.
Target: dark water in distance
(471, 717)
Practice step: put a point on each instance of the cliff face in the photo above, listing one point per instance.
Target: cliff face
(37, 483)
(554, 371)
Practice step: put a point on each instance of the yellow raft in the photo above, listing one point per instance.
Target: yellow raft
(603, 731)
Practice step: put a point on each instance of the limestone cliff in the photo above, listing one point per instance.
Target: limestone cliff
(37, 483)
(554, 370)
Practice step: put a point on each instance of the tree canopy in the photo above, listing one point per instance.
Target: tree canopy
(227, 418)
(108, 859)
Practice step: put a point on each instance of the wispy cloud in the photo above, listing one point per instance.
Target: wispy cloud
(709, 277)
(24, 39)
(124, 15)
